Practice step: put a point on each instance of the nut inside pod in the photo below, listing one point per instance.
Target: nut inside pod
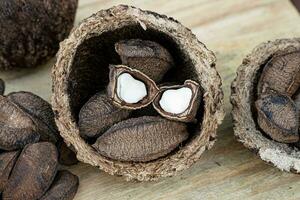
(82, 70)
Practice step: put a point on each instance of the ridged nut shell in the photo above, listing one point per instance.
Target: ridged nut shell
(141, 139)
(278, 117)
(146, 56)
(2, 87)
(7, 162)
(33, 173)
(281, 74)
(64, 187)
(16, 127)
(99, 114)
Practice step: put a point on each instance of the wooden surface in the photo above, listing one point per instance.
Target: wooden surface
(231, 28)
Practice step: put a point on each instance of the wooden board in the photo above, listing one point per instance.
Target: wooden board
(229, 171)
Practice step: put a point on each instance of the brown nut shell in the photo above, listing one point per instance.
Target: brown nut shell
(278, 117)
(281, 74)
(2, 87)
(243, 96)
(30, 31)
(98, 114)
(7, 162)
(40, 112)
(146, 56)
(16, 127)
(115, 72)
(82, 70)
(33, 173)
(64, 187)
(189, 114)
(141, 139)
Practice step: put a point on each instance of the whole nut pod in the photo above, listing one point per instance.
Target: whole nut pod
(64, 187)
(26, 43)
(82, 70)
(245, 91)
(7, 162)
(98, 114)
(16, 127)
(33, 172)
(2, 87)
(141, 139)
(146, 56)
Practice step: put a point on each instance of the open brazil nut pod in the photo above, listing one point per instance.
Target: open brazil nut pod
(265, 103)
(138, 147)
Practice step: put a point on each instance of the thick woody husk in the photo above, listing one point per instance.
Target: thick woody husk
(82, 70)
(244, 91)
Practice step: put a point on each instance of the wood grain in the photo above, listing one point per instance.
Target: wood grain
(229, 171)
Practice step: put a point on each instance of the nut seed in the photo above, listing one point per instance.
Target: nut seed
(7, 161)
(146, 56)
(141, 139)
(98, 114)
(114, 86)
(64, 187)
(278, 117)
(177, 99)
(281, 74)
(16, 127)
(40, 112)
(33, 173)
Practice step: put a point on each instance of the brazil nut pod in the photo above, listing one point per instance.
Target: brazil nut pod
(257, 98)
(82, 70)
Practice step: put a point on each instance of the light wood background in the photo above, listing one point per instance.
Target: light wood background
(231, 28)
